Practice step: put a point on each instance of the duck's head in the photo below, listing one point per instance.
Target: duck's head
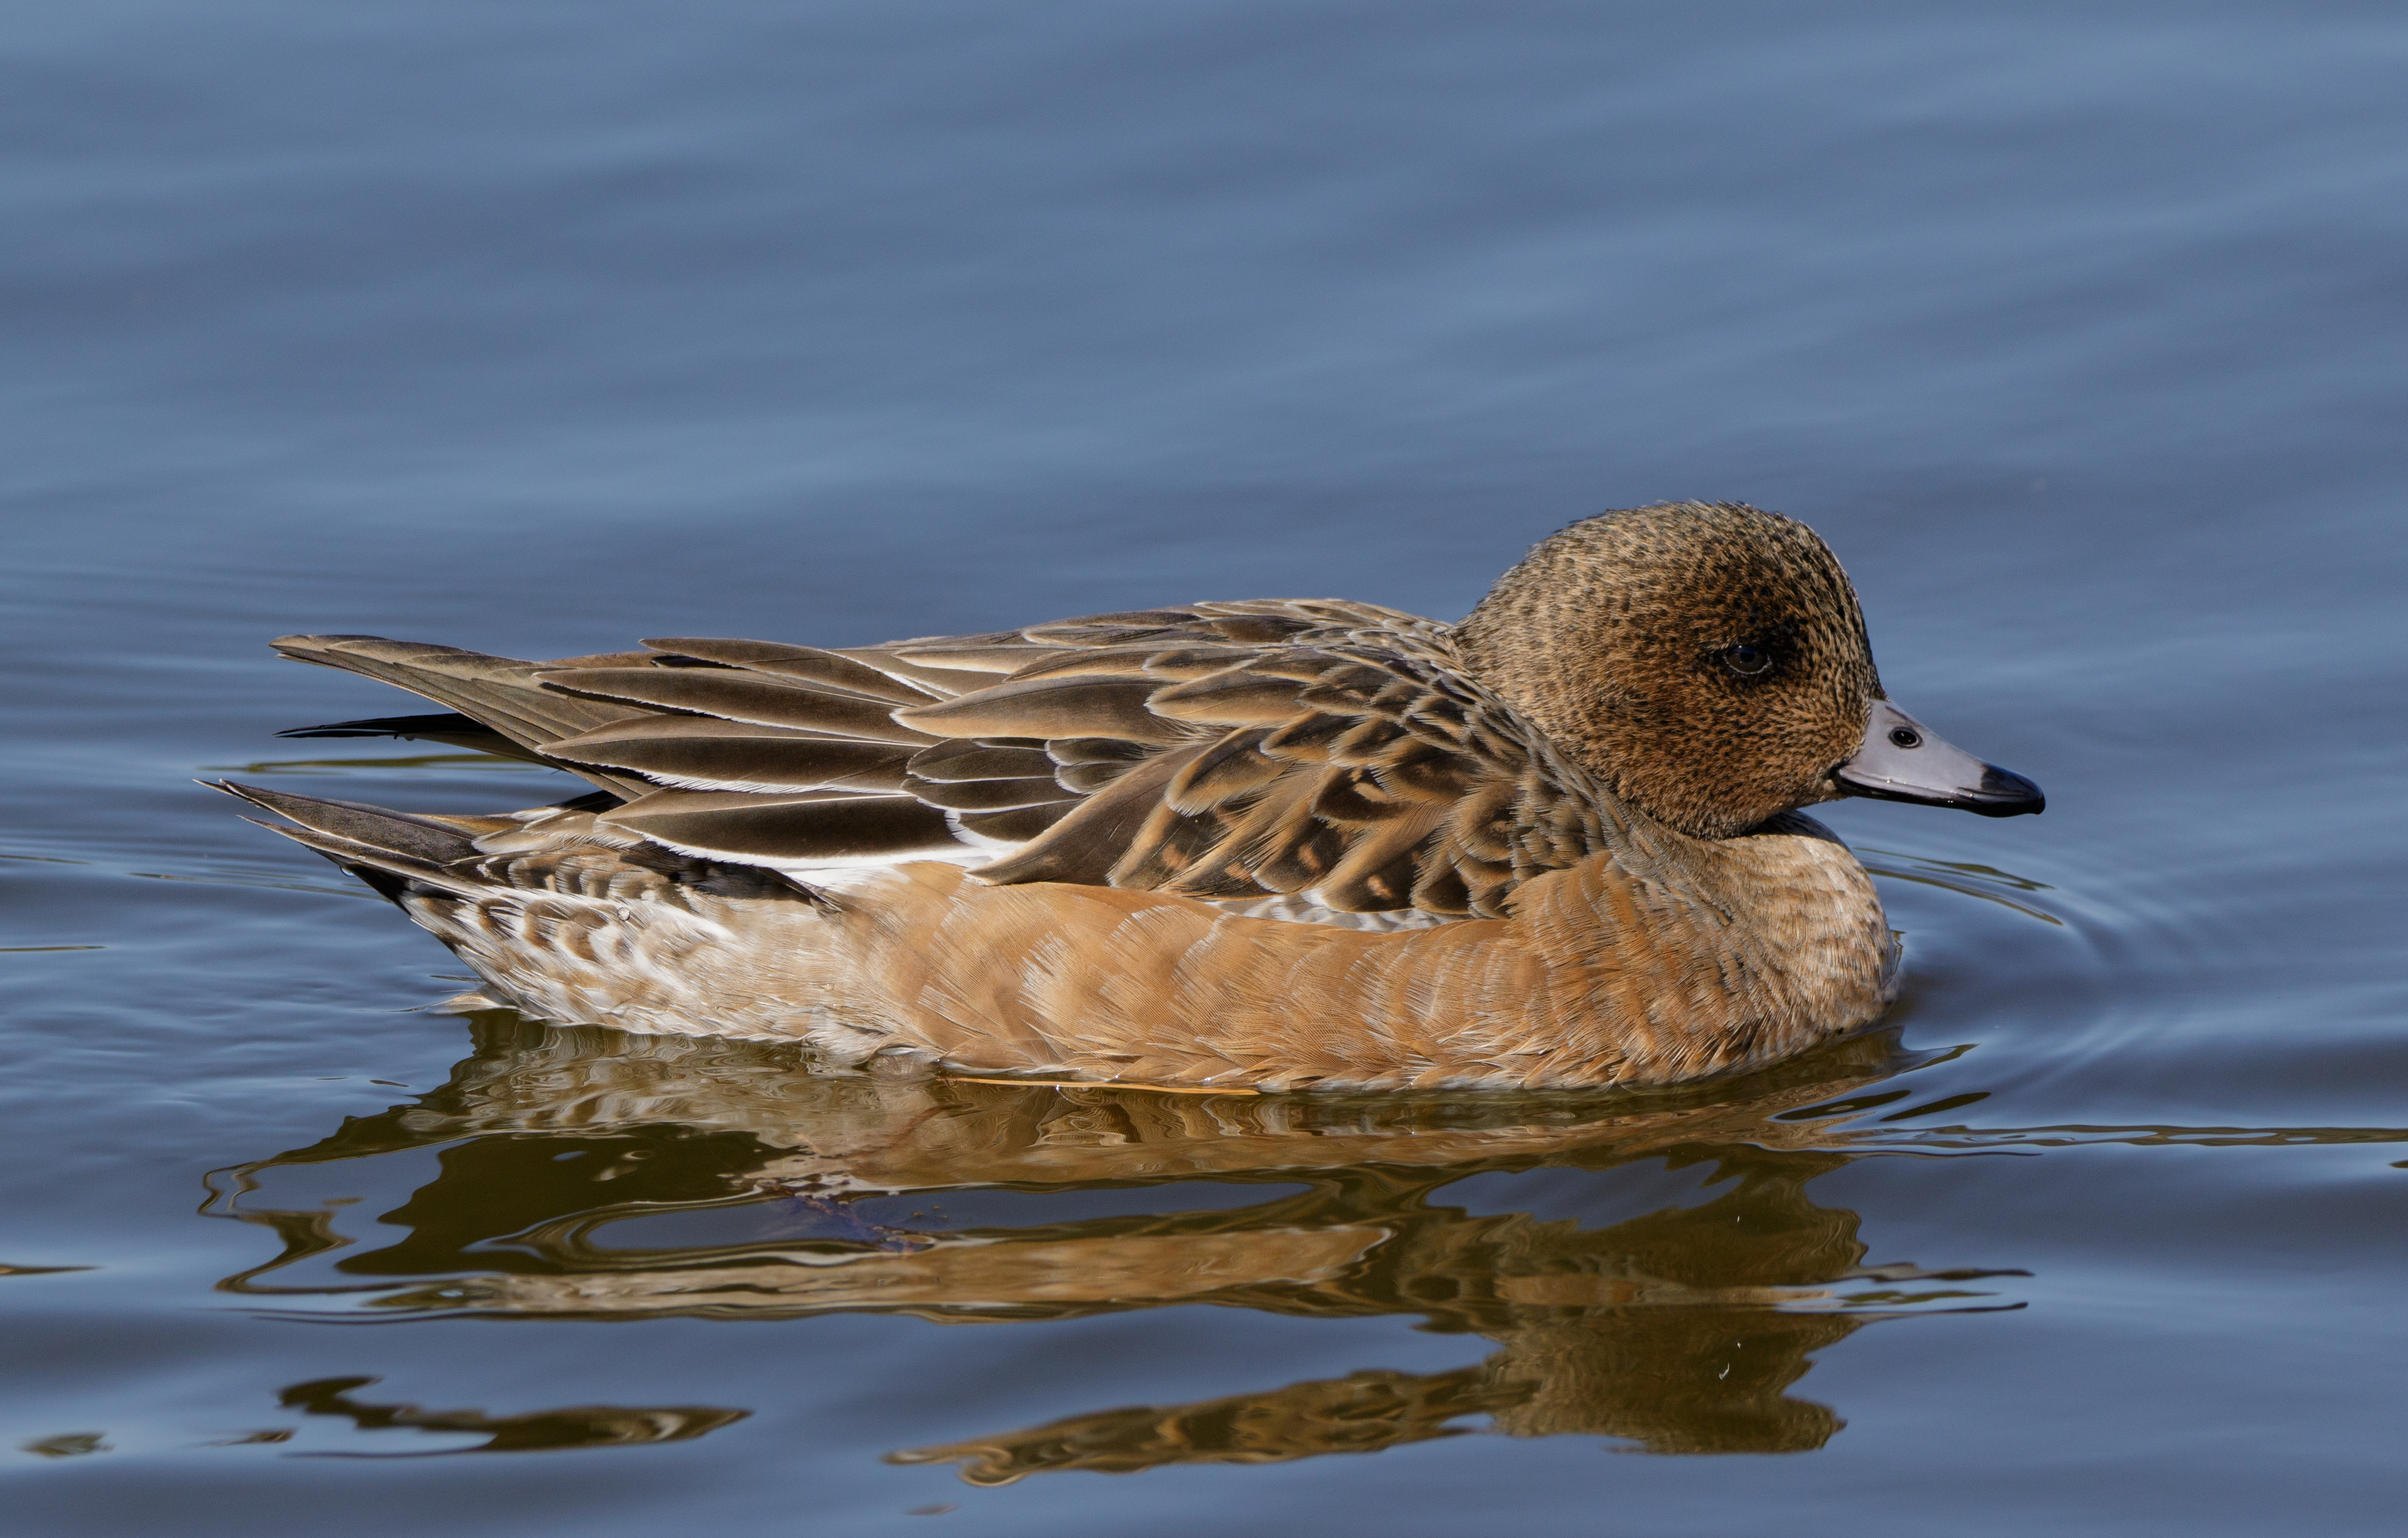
(1708, 662)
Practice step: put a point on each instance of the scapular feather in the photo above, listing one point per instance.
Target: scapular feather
(811, 664)
(783, 830)
(967, 758)
(1077, 705)
(740, 696)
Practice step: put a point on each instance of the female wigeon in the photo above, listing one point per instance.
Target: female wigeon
(1277, 844)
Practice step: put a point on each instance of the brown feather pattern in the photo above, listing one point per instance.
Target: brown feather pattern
(1567, 898)
(1341, 752)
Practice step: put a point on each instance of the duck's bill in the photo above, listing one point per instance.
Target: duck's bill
(1902, 760)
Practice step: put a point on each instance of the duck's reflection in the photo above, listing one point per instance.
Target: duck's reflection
(582, 1173)
(1680, 1331)
(545, 1431)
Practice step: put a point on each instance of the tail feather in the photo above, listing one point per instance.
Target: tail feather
(450, 728)
(385, 848)
(393, 832)
(503, 694)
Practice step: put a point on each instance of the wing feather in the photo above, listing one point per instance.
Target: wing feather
(1368, 777)
(1076, 705)
(1222, 751)
(967, 758)
(802, 829)
(737, 695)
(811, 664)
(706, 753)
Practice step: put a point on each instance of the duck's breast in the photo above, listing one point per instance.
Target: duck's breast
(1601, 975)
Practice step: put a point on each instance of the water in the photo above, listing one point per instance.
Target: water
(2077, 330)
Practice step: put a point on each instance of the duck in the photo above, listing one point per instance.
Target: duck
(1254, 846)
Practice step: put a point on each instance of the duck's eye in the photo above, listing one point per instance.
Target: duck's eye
(1905, 736)
(1747, 659)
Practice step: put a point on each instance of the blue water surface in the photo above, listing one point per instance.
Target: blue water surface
(2077, 330)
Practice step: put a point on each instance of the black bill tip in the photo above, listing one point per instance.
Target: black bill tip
(2003, 793)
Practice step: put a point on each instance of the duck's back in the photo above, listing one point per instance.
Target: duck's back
(1319, 756)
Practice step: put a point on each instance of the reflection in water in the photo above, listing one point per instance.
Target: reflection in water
(67, 1445)
(1673, 1331)
(578, 1426)
(582, 1173)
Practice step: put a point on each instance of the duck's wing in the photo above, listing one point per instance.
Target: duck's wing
(1335, 752)
(752, 751)
(1313, 747)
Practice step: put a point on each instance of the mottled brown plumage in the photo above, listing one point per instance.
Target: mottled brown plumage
(1280, 843)
(1610, 639)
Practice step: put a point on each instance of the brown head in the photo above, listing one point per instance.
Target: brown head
(1708, 662)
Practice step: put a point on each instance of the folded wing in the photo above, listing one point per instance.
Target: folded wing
(1328, 749)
